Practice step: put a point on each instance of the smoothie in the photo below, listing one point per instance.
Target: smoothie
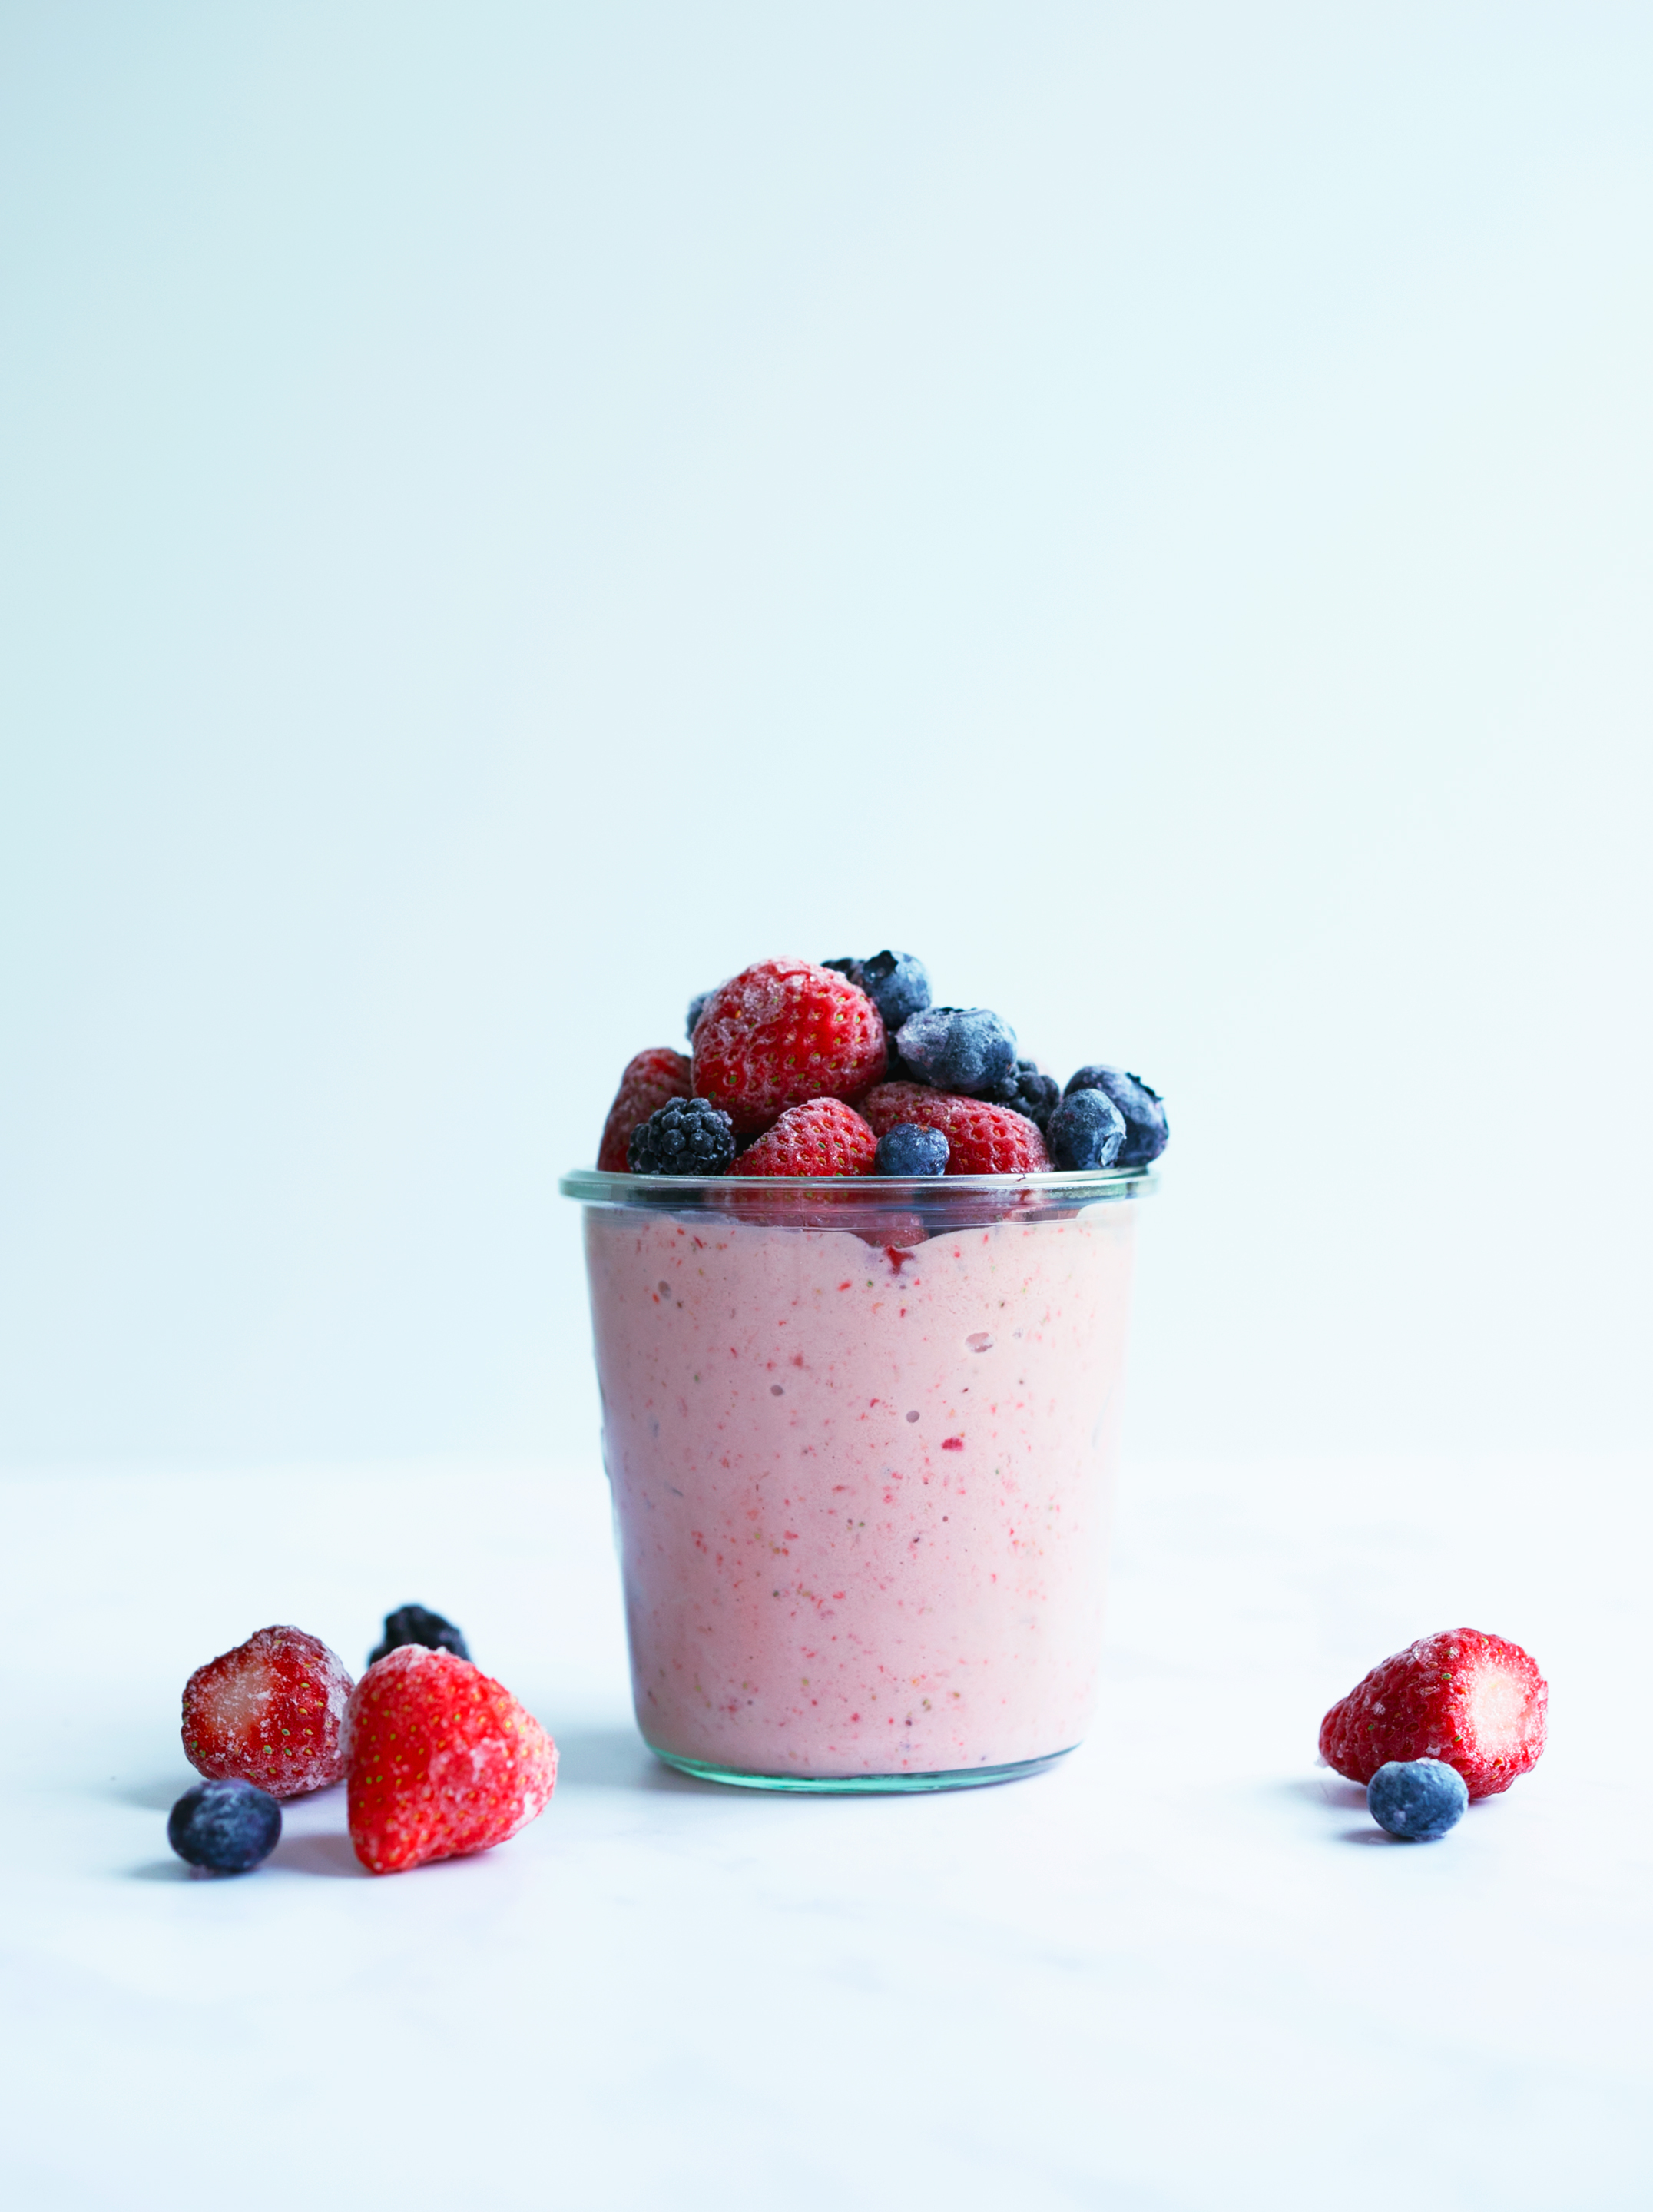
(862, 1492)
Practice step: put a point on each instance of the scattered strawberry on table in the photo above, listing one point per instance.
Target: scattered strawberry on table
(1471, 1704)
(268, 1712)
(856, 1048)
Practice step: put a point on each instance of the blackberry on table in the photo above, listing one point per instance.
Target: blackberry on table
(686, 1136)
(417, 1624)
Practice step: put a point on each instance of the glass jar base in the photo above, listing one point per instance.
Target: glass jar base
(862, 1785)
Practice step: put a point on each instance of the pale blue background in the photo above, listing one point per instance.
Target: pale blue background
(511, 512)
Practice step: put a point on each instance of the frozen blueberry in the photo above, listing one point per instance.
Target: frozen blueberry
(897, 984)
(686, 1136)
(908, 1149)
(1146, 1131)
(1025, 1091)
(225, 1827)
(1417, 1799)
(417, 1624)
(964, 1049)
(1087, 1130)
(697, 1007)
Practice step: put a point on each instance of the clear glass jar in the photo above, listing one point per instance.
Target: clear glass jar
(861, 1436)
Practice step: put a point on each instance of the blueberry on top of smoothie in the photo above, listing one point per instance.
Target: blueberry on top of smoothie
(964, 1049)
(1146, 1131)
(1087, 1130)
(907, 1150)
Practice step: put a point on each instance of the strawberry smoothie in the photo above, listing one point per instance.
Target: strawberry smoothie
(862, 1490)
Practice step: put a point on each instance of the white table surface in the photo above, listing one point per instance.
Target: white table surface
(1182, 1970)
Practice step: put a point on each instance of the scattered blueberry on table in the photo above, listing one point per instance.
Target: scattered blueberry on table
(225, 1827)
(1417, 1799)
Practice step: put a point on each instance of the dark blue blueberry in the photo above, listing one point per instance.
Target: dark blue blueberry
(1417, 1799)
(896, 983)
(417, 1624)
(686, 1136)
(907, 1150)
(697, 1007)
(1086, 1131)
(1146, 1131)
(960, 1049)
(226, 1827)
(1025, 1091)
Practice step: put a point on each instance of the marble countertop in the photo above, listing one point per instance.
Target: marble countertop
(1181, 1972)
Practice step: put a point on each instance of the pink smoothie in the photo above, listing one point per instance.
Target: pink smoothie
(862, 1493)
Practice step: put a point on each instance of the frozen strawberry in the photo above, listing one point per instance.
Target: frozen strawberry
(781, 1033)
(1472, 1701)
(268, 1712)
(982, 1138)
(823, 1137)
(442, 1761)
(651, 1078)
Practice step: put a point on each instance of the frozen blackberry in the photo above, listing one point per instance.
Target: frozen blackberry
(909, 1150)
(1146, 1131)
(1027, 1092)
(228, 1828)
(685, 1137)
(964, 1049)
(417, 1624)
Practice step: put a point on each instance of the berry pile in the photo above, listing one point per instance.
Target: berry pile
(844, 1067)
(440, 1759)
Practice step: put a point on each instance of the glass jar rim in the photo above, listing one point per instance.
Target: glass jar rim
(1058, 1187)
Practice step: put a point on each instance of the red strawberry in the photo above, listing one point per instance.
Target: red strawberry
(443, 1760)
(268, 1712)
(650, 1079)
(1474, 1701)
(781, 1033)
(823, 1136)
(982, 1140)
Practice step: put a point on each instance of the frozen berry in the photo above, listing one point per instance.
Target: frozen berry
(781, 1032)
(268, 1712)
(909, 1149)
(226, 1827)
(686, 1137)
(1475, 1701)
(1146, 1131)
(823, 1137)
(417, 1624)
(651, 1078)
(964, 1049)
(982, 1138)
(1030, 1091)
(442, 1761)
(1087, 1130)
(898, 983)
(1417, 1799)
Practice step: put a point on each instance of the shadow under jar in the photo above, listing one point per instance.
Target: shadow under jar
(861, 1435)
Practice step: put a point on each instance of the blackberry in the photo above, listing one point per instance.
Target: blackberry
(964, 1049)
(228, 1828)
(1025, 1091)
(908, 1149)
(686, 1136)
(1417, 1799)
(1086, 1131)
(1146, 1131)
(417, 1624)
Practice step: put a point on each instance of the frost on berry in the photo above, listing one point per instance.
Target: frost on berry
(268, 1712)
